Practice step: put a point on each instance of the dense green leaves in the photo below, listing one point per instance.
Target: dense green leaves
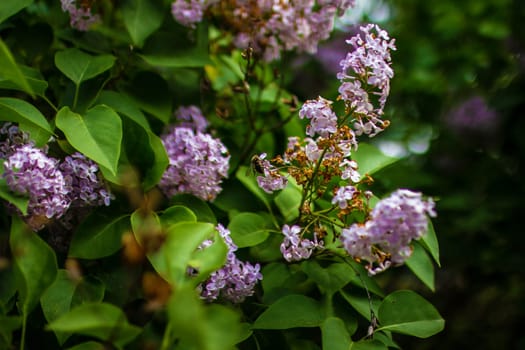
(100, 320)
(291, 311)
(330, 279)
(99, 235)
(97, 134)
(408, 313)
(66, 293)
(20, 202)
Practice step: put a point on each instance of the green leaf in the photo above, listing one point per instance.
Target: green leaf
(176, 214)
(98, 236)
(334, 334)
(28, 117)
(100, 320)
(65, 293)
(9, 69)
(10, 7)
(200, 326)
(407, 312)
(35, 262)
(177, 253)
(370, 159)
(430, 242)
(289, 200)
(98, 134)
(249, 229)
(142, 18)
(151, 93)
(79, 66)
(421, 265)
(145, 152)
(291, 311)
(19, 202)
(329, 280)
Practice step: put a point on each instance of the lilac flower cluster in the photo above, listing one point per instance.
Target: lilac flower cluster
(385, 238)
(54, 188)
(83, 185)
(271, 180)
(236, 280)
(367, 68)
(296, 248)
(197, 161)
(81, 17)
(30, 172)
(268, 26)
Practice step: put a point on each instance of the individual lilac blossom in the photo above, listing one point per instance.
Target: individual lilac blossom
(323, 120)
(81, 17)
(84, 187)
(394, 222)
(188, 12)
(191, 117)
(343, 195)
(30, 172)
(271, 180)
(349, 170)
(366, 70)
(296, 248)
(236, 280)
(197, 163)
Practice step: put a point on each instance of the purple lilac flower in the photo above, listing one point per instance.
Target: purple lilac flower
(191, 117)
(30, 172)
(81, 17)
(385, 238)
(82, 183)
(349, 170)
(343, 195)
(367, 68)
(188, 12)
(323, 120)
(272, 179)
(197, 163)
(236, 280)
(296, 248)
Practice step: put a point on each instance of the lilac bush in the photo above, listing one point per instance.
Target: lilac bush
(130, 134)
